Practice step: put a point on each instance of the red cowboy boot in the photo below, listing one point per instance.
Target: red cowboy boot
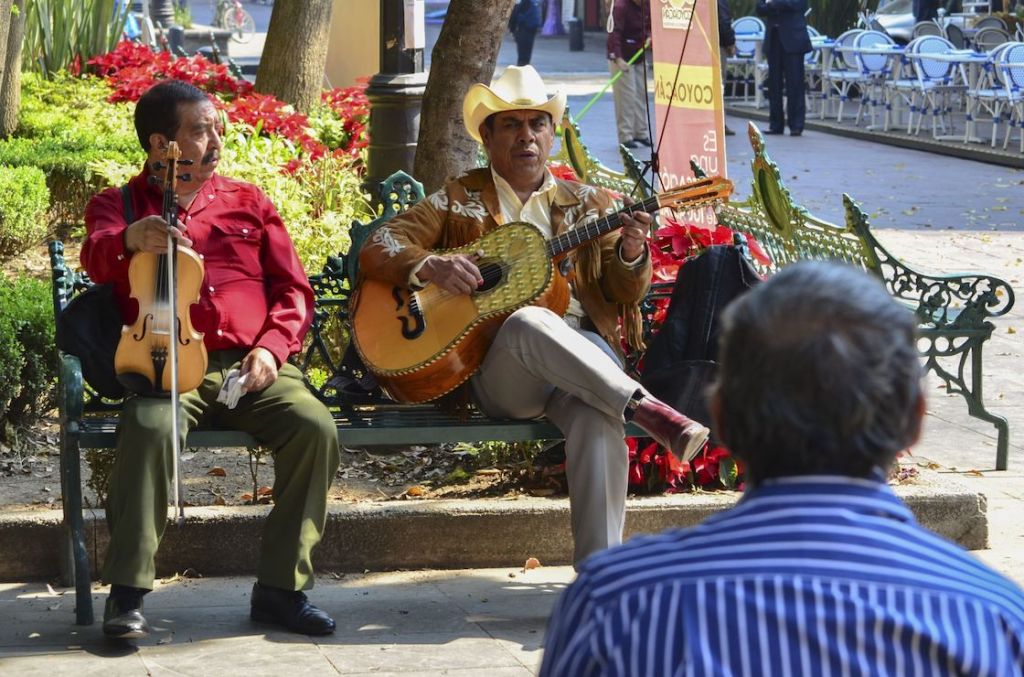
(684, 437)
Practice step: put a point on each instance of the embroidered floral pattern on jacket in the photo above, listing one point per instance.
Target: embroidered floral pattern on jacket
(384, 238)
(439, 200)
(473, 207)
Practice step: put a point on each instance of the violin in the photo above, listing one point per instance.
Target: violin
(161, 354)
(165, 286)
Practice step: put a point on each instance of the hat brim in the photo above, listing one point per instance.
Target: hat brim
(481, 102)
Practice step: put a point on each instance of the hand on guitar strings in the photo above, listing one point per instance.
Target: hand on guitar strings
(634, 232)
(149, 234)
(259, 369)
(455, 274)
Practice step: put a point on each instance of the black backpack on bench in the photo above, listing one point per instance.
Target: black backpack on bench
(89, 328)
(681, 361)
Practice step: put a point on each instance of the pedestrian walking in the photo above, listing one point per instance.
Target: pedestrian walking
(524, 24)
(629, 29)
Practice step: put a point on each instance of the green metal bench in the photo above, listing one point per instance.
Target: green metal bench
(954, 312)
(88, 422)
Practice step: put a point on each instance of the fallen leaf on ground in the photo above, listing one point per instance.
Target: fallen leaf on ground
(531, 563)
(975, 473)
(264, 491)
(217, 472)
(219, 500)
(542, 492)
(49, 589)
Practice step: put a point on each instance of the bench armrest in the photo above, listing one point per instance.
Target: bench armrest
(958, 301)
(70, 391)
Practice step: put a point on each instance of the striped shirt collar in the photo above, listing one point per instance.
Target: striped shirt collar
(866, 495)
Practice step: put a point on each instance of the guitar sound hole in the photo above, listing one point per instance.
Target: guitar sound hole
(493, 272)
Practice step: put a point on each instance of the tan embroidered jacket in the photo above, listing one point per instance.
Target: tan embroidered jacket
(467, 207)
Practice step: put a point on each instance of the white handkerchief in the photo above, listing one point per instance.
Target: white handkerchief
(232, 389)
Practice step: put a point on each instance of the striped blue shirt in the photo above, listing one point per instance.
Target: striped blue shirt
(804, 576)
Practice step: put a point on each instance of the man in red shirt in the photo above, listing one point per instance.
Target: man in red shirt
(255, 307)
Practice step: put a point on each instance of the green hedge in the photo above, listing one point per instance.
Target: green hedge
(28, 358)
(24, 201)
(67, 129)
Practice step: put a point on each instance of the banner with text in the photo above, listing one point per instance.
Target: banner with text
(687, 94)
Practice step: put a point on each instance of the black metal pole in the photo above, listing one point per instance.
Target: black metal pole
(396, 96)
(162, 12)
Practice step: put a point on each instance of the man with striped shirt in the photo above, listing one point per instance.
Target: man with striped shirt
(819, 569)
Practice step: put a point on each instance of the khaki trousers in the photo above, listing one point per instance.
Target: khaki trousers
(285, 417)
(629, 93)
(538, 366)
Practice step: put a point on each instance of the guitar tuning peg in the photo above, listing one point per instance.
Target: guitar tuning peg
(184, 162)
(184, 177)
(158, 166)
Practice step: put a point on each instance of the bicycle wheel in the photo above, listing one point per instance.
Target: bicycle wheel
(241, 25)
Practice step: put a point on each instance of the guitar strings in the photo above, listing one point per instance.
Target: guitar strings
(436, 297)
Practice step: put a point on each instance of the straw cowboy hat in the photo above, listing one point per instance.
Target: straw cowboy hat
(518, 88)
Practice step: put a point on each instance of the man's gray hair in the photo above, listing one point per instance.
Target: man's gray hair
(819, 374)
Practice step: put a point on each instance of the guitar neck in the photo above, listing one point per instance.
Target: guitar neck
(573, 238)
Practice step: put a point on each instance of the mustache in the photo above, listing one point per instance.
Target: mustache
(210, 157)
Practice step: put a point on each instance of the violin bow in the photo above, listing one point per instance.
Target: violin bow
(170, 215)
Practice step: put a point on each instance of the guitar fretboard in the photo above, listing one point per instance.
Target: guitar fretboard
(571, 239)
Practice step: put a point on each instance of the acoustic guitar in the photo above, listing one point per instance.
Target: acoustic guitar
(422, 344)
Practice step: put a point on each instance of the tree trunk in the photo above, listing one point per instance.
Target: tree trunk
(292, 65)
(465, 53)
(10, 76)
(5, 27)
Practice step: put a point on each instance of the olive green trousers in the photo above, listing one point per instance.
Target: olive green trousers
(284, 417)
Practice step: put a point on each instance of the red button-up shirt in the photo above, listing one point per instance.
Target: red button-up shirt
(255, 292)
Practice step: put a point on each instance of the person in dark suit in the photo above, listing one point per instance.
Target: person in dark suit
(523, 23)
(925, 10)
(726, 44)
(785, 43)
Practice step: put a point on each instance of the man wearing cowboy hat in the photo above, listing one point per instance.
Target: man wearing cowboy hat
(542, 364)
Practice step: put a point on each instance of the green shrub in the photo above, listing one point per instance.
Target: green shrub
(24, 201)
(69, 162)
(67, 129)
(317, 204)
(28, 358)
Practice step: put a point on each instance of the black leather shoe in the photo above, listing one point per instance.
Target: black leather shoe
(289, 608)
(123, 619)
(774, 131)
(643, 142)
(796, 132)
(631, 144)
(729, 132)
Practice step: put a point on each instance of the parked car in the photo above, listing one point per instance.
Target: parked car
(897, 18)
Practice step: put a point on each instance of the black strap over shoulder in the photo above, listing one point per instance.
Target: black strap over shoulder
(128, 208)
(89, 327)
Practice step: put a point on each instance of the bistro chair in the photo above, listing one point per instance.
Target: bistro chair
(812, 74)
(989, 37)
(955, 35)
(923, 28)
(749, 32)
(840, 73)
(1012, 76)
(990, 22)
(875, 69)
(936, 81)
(989, 93)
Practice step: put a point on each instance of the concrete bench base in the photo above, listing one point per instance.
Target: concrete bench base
(431, 534)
